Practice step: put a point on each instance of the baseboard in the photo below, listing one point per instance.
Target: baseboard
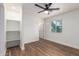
(22, 48)
(31, 41)
(23, 45)
(62, 44)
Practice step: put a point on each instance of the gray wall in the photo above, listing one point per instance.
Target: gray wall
(2, 31)
(12, 30)
(12, 25)
(13, 43)
(12, 35)
(70, 29)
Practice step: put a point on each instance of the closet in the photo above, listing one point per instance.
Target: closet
(13, 24)
(13, 33)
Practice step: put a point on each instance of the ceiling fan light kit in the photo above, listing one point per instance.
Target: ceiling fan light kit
(46, 12)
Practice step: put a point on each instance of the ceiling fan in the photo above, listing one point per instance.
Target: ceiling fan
(47, 8)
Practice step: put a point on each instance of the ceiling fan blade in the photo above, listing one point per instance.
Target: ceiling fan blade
(39, 6)
(54, 9)
(41, 11)
(49, 4)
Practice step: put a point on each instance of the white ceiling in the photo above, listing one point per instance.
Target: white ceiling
(31, 9)
(64, 7)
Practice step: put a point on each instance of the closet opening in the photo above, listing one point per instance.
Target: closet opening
(12, 33)
(13, 16)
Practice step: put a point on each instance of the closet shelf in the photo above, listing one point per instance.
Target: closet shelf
(12, 30)
(11, 40)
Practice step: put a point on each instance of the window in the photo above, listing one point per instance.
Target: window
(56, 26)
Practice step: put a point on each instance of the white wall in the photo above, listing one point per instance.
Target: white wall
(2, 31)
(41, 31)
(70, 29)
(30, 27)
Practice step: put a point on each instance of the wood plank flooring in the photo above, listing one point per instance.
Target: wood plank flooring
(43, 48)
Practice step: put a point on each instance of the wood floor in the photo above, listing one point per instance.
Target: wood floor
(43, 48)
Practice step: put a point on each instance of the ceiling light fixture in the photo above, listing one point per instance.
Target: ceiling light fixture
(46, 12)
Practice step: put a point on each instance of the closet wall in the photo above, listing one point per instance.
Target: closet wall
(2, 31)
